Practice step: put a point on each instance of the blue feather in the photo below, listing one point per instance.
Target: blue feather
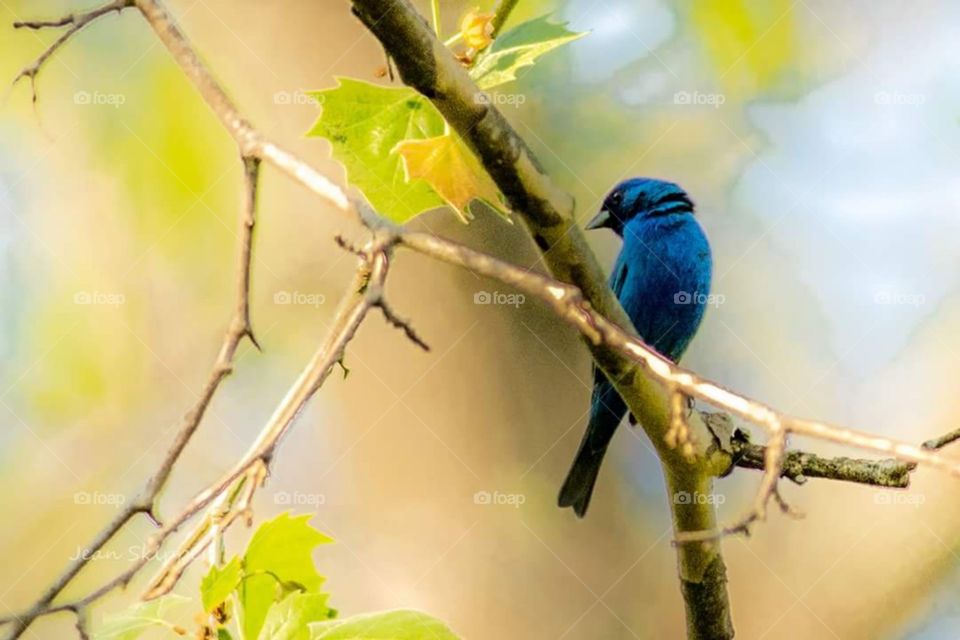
(662, 279)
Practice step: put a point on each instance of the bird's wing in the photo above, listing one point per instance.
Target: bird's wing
(665, 293)
(618, 278)
(619, 275)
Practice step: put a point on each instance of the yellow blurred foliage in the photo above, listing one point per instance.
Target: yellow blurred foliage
(750, 44)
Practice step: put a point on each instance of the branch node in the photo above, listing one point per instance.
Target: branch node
(153, 516)
(82, 624)
(248, 333)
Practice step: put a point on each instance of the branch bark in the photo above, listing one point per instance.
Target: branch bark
(425, 64)
(799, 466)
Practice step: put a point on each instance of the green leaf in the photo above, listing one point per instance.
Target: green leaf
(129, 624)
(363, 123)
(519, 47)
(453, 172)
(219, 583)
(279, 558)
(288, 619)
(402, 624)
(256, 594)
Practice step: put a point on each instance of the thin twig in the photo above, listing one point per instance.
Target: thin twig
(939, 443)
(768, 490)
(76, 22)
(146, 501)
(348, 319)
(799, 466)
(251, 142)
(404, 325)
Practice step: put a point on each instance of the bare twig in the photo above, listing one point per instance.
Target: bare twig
(251, 142)
(76, 22)
(799, 466)
(939, 443)
(768, 490)
(146, 501)
(233, 503)
(367, 292)
(404, 325)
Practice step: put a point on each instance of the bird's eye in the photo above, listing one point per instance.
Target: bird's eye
(616, 198)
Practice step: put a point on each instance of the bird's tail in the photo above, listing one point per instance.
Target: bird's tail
(578, 487)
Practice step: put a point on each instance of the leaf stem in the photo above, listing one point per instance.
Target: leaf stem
(502, 13)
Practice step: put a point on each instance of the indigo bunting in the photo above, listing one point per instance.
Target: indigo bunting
(662, 279)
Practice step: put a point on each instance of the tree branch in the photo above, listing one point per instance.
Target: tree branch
(425, 64)
(644, 379)
(76, 22)
(146, 501)
(569, 304)
(367, 293)
(251, 142)
(939, 443)
(799, 466)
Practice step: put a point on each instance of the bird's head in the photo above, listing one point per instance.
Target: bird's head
(645, 197)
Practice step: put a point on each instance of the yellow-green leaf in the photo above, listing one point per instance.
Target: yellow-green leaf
(402, 624)
(363, 123)
(219, 583)
(130, 624)
(452, 170)
(519, 47)
(279, 558)
(289, 618)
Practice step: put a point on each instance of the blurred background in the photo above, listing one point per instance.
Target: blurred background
(820, 142)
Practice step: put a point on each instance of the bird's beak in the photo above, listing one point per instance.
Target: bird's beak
(600, 220)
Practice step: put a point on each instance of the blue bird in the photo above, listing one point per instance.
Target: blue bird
(662, 279)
